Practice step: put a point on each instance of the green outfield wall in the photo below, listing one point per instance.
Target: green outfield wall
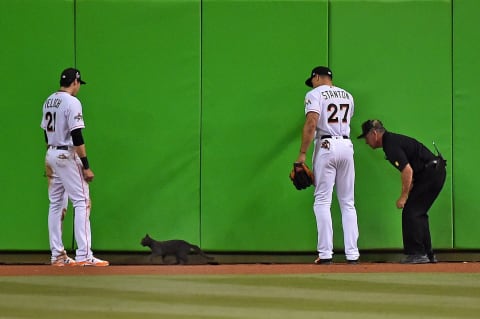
(194, 111)
(465, 111)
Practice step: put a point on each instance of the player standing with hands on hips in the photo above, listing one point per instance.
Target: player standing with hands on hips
(70, 172)
(328, 111)
(423, 175)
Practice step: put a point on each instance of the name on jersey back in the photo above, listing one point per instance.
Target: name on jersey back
(330, 94)
(52, 103)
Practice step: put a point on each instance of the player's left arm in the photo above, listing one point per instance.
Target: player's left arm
(308, 135)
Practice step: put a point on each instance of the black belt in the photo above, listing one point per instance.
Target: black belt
(62, 147)
(330, 136)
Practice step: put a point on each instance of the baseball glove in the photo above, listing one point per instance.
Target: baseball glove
(301, 176)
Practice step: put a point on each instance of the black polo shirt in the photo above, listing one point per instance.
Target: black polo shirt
(401, 150)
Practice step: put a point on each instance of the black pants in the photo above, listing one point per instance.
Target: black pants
(415, 227)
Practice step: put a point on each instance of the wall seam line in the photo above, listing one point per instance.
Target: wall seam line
(200, 128)
(452, 45)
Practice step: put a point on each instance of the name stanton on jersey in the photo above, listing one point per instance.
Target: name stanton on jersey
(335, 94)
(330, 94)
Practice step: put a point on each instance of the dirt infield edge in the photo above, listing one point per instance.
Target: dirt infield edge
(238, 269)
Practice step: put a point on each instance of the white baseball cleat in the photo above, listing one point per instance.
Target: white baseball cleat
(95, 262)
(63, 260)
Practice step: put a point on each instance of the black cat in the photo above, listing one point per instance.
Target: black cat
(179, 248)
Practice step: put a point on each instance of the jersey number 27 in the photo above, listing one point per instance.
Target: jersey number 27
(333, 108)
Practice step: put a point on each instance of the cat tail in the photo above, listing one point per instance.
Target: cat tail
(197, 249)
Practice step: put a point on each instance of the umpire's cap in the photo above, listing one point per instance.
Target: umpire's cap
(367, 126)
(319, 70)
(69, 75)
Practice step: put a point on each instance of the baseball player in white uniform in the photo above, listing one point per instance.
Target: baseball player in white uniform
(69, 171)
(328, 112)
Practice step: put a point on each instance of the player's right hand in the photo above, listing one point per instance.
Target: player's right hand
(88, 175)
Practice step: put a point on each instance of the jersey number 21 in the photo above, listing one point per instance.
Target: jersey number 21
(50, 118)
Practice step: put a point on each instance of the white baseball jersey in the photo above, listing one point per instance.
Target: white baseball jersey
(335, 108)
(62, 113)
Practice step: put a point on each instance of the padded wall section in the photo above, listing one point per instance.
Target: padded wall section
(36, 44)
(153, 133)
(465, 112)
(255, 59)
(396, 60)
(141, 60)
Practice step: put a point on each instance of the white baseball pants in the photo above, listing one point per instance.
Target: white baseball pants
(68, 179)
(333, 165)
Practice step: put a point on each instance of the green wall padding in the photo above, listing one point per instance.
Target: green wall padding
(141, 60)
(465, 113)
(255, 59)
(36, 44)
(397, 64)
(194, 111)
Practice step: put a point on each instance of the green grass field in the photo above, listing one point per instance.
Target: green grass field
(358, 296)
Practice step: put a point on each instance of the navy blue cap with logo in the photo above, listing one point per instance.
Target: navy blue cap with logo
(69, 75)
(319, 70)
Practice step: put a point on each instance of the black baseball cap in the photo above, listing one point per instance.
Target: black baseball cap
(367, 126)
(319, 70)
(69, 75)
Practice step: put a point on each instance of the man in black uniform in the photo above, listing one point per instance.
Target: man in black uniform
(423, 176)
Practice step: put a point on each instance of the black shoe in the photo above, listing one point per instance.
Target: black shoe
(415, 259)
(432, 258)
(319, 261)
(353, 262)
